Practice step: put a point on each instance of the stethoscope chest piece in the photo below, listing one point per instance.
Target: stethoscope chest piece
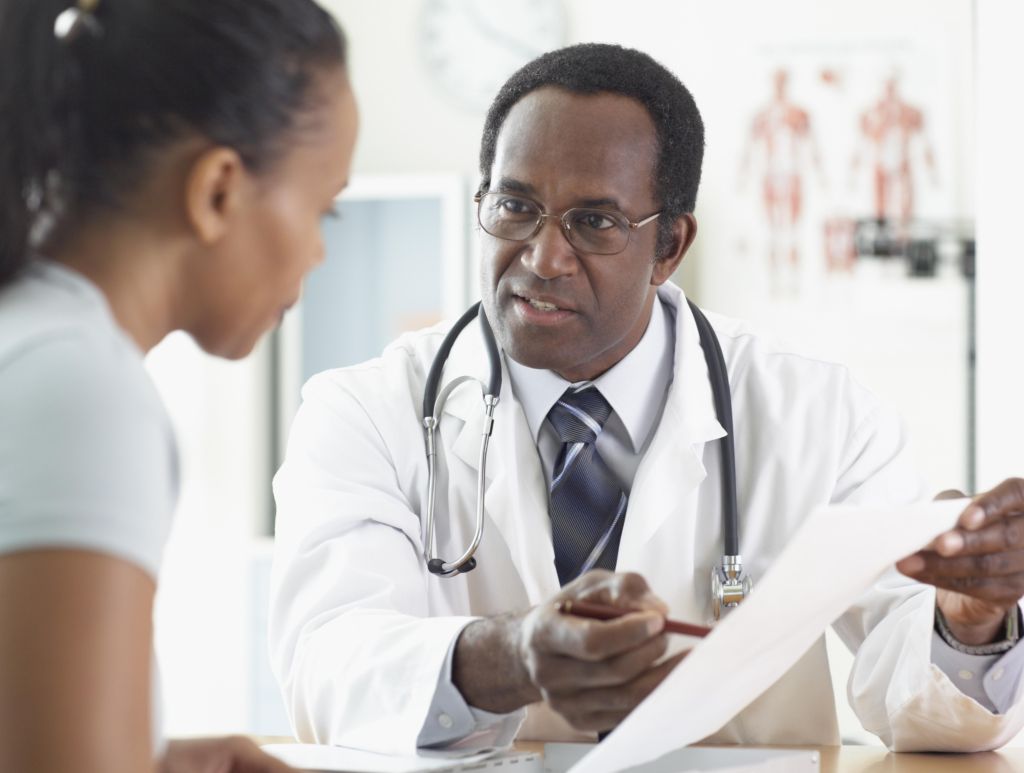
(729, 586)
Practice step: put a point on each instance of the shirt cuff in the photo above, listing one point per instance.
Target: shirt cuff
(451, 723)
(991, 680)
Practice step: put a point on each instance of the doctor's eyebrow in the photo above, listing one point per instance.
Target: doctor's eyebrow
(511, 185)
(605, 203)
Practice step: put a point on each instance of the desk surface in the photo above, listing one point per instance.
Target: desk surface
(866, 759)
(876, 759)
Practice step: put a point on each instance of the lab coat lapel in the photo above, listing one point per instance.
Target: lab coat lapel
(669, 476)
(516, 494)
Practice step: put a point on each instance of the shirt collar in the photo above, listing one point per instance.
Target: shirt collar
(635, 386)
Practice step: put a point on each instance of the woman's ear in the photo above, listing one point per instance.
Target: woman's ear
(214, 192)
(684, 231)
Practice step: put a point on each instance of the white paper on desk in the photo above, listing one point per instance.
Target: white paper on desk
(835, 556)
(309, 756)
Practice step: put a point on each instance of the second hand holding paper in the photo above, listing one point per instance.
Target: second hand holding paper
(832, 559)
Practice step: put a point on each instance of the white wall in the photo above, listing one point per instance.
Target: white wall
(221, 412)
(1000, 170)
(1000, 412)
(408, 124)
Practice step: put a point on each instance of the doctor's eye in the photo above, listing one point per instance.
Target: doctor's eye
(594, 220)
(515, 206)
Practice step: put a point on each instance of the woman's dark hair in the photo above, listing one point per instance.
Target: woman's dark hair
(82, 116)
(592, 68)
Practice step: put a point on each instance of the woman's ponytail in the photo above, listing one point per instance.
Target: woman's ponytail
(91, 89)
(39, 142)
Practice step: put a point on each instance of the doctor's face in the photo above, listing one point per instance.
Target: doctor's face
(554, 305)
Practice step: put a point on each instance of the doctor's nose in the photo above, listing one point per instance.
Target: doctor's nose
(548, 253)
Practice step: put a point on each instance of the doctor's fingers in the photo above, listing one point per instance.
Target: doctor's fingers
(1003, 591)
(623, 589)
(1005, 534)
(995, 504)
(987, 510)
(559, 672)
(998, 564)
(595, 640)
(602, 708)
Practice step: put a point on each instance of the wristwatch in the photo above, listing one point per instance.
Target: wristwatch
(1013, 628)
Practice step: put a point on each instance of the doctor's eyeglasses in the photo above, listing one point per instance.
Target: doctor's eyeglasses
(518, 218)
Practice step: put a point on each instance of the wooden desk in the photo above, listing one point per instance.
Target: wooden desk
(864, 759)
(876, 759)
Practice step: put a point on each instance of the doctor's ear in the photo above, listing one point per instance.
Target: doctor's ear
(684, 231)
(214, 191)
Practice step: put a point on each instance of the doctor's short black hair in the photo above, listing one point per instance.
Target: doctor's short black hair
(591, 68)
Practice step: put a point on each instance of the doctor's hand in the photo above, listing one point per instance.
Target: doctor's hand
(219, 755)
(592, 672)
(977, 567)
(595, 672)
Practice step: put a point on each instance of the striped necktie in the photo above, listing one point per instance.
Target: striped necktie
(587, 505)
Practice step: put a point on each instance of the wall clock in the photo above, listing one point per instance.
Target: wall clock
(471, 47)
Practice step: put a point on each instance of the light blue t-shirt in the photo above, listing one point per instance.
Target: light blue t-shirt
(88, 458)
(87, 454)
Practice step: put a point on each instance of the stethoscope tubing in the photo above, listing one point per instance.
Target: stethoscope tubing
(433, 405)
(722, 395)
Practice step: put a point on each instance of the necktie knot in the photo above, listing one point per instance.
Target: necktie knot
(580, 414)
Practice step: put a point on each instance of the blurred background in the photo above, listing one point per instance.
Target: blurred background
(859, 199)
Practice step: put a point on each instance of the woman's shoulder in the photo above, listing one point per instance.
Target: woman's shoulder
(87, 455)
(47, 303)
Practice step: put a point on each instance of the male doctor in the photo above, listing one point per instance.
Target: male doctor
(603, 477)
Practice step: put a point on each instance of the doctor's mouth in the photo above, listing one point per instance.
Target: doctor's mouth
(541, 310)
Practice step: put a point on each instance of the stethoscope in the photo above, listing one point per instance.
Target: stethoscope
(729, 585)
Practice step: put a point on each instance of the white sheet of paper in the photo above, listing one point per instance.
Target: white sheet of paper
(835, 556)
(309, 756)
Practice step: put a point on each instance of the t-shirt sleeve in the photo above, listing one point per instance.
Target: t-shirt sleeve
(87, 458)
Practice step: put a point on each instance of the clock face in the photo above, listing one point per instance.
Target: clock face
(471, 47)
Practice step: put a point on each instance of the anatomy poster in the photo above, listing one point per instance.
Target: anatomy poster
(843, 160)
(836, 206)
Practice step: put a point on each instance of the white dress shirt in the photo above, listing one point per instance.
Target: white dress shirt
(637, 402)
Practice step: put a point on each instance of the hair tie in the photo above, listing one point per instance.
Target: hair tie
(77, 20)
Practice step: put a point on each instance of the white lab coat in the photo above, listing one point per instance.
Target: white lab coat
(359, 628)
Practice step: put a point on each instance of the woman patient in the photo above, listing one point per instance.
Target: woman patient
(165, 165)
